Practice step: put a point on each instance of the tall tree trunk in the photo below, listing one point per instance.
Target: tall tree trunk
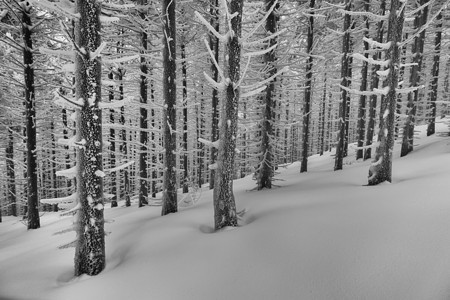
(340, 149)
(363, 87)
(90, 247)
(435, 76)
(185, 118)
(381, 168)
(374, 84)
(266, 165)
(224, 203)
(307, 106)
(214, 45)
(169, 118)
(417, 54)
(112, 147)
(143, 122)
(322, 117)
(11, 175)
(30, 111)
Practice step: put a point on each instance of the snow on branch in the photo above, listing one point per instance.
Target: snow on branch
(262, 21)
(64, 7)
(119, 7)
(68, 173)
(69, 199)
(105, 20)
(409, 90)
(261, 52)
(364, 14)
(264, 82)
(68, 142)
(219, 69)
(253, 92)
(383, 63)
(115, 104)
(272, 36)
(66, 102)
(383, 91)
(121, 167)
(222, 38)
(97, 52)
(209, 143)
(357, 92)
(70, 55)
(116, 61)
(216, 85)
(375, 44)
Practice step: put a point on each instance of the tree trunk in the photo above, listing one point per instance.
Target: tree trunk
(214, 45)
(224, 204)
(30, 111)
(340, 149)
(307, 107)
(169, 117)
(435, 76)
(90, 247)
(266, 164)
(185, 118)
(362, 98)
(143, 123)
(417, 54)
(123, 148)
(112, 147)
(381, 168)
(322, 117)
(11, 175)
(374, 84)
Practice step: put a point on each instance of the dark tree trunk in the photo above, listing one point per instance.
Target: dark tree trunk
(322, 117)
(381, 168)
(169, 118)
(143, 115)
(307, 106)
(11, 175)
(340, 149)
(435, 76)
(90, 247)
(266, 164)
(363, 88)
(224, 203)
(154, 142)
(30, 111)
(214, 45)
(123, 148)
(374, 84)
(112, 147)
(417, 54)
(185, 119)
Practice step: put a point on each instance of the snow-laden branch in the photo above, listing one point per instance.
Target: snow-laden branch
(115, 104)
(121, 167)
(272, 36)
(219, 69)
(222, 38)
(266, 81)
(214, 84)
(358, 92)
(253, 92)
(64, 7)
(117, 61)
(97, 52)
(409, 89)
(363, 14)
(68, 142)
(359, 56)
(261, 52)
(105, 20)
(375, 44)
(210, 144)
(64, 101)
(69, 199)
(68, 173)
(262, 21)
(70, 55)
(383, 91)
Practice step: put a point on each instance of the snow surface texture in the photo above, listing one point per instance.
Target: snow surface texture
(319, 235)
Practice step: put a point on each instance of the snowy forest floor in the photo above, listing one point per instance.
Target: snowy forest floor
(317, 235)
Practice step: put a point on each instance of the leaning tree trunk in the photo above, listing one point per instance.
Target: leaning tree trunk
(307, 107)
(374, 84)
(381, 168)
(340, 149)
(90, 247)
(363, 88)
(224, 204)
(30, 112)
(169, 118)
(214, 45)
(431, 129)
(266, 165)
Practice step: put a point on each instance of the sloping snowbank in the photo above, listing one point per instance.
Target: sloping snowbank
(320, 235)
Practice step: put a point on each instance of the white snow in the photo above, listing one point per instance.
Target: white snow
(318, 235)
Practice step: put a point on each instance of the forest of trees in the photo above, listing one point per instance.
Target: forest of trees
(146, 100)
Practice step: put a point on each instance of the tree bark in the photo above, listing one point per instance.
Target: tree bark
(11, 175)
(185, 118)
(266, 164)
(340, 149)
(30, 111)
(307, 106)
(169, 118)
(381, 168)
(90, 246)
(112, 147)
(431, 129)
(224, 203)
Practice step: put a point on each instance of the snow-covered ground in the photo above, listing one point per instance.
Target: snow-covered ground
(319, 235)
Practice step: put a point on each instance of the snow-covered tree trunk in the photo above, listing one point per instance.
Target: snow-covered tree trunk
(435, 76)
(90, 246)
(11, 174)
(307, 105)
(224, 203)
(266, 165)
(374, 84)
(362, 99)
(30, 112)
(169, 118)
(342, 137)
(112, 142)
(214, 45)
(185, 181)
(381, 168)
